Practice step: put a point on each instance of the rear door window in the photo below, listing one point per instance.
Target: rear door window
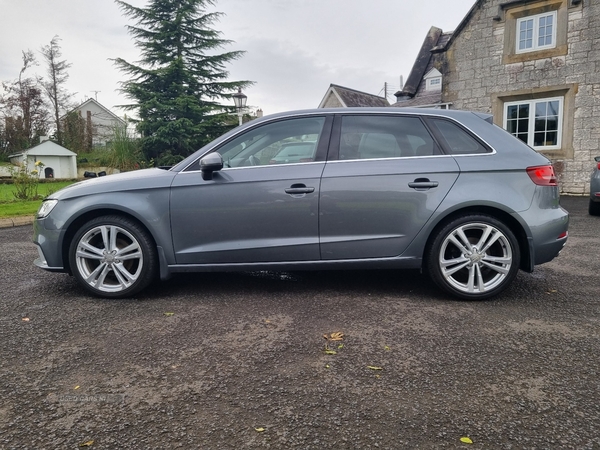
(380, 137)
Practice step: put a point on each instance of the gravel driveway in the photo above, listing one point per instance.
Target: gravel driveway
(239, 360)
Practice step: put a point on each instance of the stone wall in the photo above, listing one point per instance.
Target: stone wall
(477, 76)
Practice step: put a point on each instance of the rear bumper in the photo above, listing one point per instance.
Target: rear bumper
(549, 233)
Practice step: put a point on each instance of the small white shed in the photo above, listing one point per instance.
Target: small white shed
(58, 161)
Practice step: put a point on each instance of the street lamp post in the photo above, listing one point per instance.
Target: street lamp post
(240, 103)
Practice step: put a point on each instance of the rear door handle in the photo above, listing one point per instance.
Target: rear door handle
(299, 189)
(422, 184)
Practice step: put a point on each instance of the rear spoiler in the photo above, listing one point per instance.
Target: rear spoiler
(487, 117)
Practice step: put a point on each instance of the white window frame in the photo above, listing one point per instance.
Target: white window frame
(434, 84)
(536, 31)
(531, 123)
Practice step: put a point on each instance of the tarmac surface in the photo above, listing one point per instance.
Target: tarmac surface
(214, 361)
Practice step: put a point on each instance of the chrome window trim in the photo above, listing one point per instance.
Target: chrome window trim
(493, 152)
(227, 169)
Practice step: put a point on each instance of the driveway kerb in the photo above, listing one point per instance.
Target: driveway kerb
(16, 221)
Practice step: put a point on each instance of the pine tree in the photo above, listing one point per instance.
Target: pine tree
(178, 82)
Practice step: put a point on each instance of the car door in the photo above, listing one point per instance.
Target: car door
(384, 179)
(256, 209)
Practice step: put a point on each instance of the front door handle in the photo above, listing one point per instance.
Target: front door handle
(299, 189)
(422, 184)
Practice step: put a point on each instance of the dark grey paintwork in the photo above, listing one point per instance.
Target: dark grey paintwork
(354, 213)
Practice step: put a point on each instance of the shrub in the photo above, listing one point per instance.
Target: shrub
(26, 182)
(125, 152)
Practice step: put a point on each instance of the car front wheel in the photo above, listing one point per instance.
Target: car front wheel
(473, 257)
(113, 257)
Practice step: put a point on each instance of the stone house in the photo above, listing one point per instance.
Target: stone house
(534, 65)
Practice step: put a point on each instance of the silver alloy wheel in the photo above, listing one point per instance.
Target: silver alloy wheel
(109, 258)
(475, 258)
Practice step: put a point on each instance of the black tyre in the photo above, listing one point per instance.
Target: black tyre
(594, 208)
(113, 257)
(473, 257)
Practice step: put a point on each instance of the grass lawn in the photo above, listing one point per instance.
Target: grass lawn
(11, 207)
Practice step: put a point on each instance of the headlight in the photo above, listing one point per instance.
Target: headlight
(46, 208)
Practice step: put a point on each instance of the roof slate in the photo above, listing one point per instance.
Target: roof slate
(354, 98)
(420, 100)
(421, 63)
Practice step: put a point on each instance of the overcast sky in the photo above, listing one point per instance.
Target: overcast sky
(295, 48)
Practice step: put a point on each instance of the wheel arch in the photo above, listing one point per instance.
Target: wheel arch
(82, 219)
(509, 220)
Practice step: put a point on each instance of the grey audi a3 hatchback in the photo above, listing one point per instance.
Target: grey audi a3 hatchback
(443, 191)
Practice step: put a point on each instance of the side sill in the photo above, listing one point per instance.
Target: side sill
(351, 264)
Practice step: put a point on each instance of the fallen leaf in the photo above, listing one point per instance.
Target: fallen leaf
(330, 352)
(76, 387)
(25, 319)
(386, 348)
(375, 368)
(169, 313)
(466, 440)
(267, 321)
(87, 444)
(341, 346)
(552, 291)
(337, 336)
(260, 430)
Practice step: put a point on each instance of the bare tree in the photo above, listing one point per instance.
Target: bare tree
(54, 85)
(23, 109)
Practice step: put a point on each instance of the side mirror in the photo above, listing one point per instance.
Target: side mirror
(213, 162)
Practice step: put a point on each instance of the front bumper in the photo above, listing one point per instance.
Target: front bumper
(48, 246)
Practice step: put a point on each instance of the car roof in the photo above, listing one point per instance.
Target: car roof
(453, 113)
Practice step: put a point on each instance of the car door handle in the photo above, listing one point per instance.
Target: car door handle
(422, 184)
(299, 189)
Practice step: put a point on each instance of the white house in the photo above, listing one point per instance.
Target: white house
(101, 119)
(58, 161)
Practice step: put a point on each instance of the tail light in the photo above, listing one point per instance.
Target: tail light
(598, 165)
(542, 175)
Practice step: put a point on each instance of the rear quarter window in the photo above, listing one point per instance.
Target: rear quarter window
(458, 140)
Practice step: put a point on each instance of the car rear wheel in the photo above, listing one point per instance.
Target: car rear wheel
(473, 257)
(113, 257)
(594, 208)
